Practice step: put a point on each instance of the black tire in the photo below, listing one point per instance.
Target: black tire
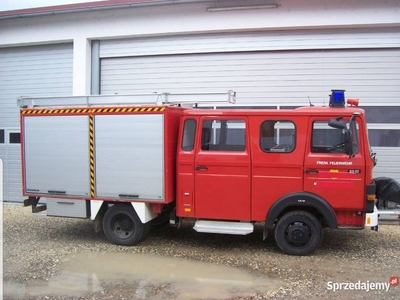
(122, 225)
(298, 233)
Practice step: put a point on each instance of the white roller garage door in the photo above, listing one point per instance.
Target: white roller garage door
(27, 71)
(267, 69)
(286, 77)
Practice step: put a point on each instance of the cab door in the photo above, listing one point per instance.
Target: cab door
(222, 169)
(329, 171)
(185, 167)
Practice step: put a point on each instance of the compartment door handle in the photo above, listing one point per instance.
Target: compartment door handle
(201, 168)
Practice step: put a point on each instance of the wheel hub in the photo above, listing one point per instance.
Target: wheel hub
(298, 234)
(123, 226)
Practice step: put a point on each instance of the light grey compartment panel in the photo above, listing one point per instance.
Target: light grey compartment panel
(57, 155)
(129, 156)
(67, 208)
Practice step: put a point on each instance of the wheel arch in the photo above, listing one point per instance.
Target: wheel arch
(99, 207)
(302, 201)
(143, 210)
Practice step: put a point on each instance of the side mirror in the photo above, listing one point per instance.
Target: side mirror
(337, 124)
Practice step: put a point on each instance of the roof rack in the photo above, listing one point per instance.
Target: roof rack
(136, 99)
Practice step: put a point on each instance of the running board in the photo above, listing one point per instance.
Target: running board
(223, 227)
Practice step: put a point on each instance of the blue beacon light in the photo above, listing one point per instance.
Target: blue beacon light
(336, 99)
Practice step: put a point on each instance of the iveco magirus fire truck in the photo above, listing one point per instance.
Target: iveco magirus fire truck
(127, 165)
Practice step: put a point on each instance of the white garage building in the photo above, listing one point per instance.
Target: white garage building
(276, 54)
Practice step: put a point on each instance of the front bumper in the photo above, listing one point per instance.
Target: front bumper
(371, 219)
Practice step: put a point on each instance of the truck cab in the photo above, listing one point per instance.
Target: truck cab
(295, 170)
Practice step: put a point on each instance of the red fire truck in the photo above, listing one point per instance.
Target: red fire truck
(128, 166)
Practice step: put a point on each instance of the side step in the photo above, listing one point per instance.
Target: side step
(223, 227)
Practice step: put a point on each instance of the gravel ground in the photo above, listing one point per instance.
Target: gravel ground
(35, 247)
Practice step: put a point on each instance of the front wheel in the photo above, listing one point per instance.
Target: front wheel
(122, 225)
(298, 233)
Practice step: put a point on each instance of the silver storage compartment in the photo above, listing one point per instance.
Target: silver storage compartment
(130, 156)
(67, 208)
(56, 154)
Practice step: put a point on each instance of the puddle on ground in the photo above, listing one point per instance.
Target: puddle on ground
(147, 277)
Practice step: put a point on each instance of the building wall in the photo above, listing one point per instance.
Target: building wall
(189, 19)
(27, 71)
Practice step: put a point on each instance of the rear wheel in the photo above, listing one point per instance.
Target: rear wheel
(298, 233)
(122, 225)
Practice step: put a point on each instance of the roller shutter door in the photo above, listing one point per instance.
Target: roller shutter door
(27, 71)
(287, 77)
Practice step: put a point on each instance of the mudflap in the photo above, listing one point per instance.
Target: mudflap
(387, 190)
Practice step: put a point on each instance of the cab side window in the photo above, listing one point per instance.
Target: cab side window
(277, 136)
(326, 139)
(223, 135)
(189, 133)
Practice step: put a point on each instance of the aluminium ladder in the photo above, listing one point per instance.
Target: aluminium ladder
(128, 99)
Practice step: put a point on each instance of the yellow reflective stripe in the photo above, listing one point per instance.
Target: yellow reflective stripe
(109, 110)
(91, 155)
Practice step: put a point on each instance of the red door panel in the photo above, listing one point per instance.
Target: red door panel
(185, 167)
(331, 173)
(222, 186)
(276, 171)
(222, 170)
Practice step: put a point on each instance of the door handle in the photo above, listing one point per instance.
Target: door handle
(311, 171)
(201, 168)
